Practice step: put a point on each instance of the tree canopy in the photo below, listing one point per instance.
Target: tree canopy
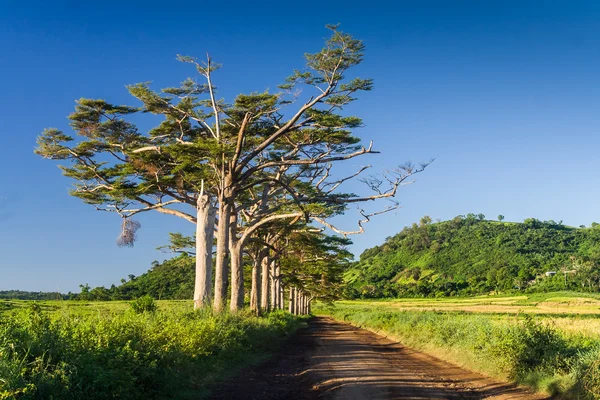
(233, 168)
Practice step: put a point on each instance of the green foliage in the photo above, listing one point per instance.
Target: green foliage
(586, 375)
(523, 349)
(24, 295)
(170, 354)
(314, 262)
(469, 255)
(529, 346)
(173, 279)
(143, 304)
(119, 167)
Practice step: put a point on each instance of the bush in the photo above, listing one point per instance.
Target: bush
(160, 355)
(524, 350)
(529, 347)
(586, 375)
(144, 304)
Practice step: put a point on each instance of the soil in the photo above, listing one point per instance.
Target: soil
(332, 360)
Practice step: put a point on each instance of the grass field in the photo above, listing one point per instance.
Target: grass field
(550, 342)
(573, 313)
(539, 303)
(68, 307)
(97, 350)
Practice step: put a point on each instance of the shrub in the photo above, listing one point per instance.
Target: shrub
(524, 350)
(527, 347)
(129, 356)
(144, 304)
(586, 375)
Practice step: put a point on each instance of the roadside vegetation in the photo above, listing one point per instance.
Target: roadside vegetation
(128, 351)
(551, 353)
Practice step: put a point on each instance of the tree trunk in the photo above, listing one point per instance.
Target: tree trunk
(273, 284)
(281, 295)
(256, 283)
(278, 286)
(291, 299)
(205, 227)
(296, 301)
(237, 277)
(264, 293)
(222, 258)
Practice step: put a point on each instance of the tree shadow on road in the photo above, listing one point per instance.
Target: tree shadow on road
(330, 360)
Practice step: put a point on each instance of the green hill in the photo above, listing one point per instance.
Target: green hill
(470, 255)
(173, 279)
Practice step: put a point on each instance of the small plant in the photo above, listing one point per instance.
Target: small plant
(144, 304)
(586, 374)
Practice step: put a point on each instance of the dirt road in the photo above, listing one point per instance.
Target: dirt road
(331, 360)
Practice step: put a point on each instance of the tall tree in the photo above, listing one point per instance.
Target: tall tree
(210, 155)
(114, 173)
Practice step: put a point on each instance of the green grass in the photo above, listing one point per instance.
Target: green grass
(555, 304)
(558, 354)
(76, 350)
(70, 307)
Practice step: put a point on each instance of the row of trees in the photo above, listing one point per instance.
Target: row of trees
(24, 295)
(256, 176)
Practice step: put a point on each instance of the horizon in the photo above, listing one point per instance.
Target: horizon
(503, 96)
(356, 256)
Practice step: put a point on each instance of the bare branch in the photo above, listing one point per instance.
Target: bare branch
(285, 128)
(212, 100)
(249, 230)
(321, 159)
(336, 184)
(240, 139)
(361, 229)
(147, 148)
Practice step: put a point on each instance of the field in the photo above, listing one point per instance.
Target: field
(558, 303)
(93, 350)
(96, 350)
(550, 342)
(89, 308)
(573, 313)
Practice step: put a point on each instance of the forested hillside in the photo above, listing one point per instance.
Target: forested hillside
(173, 279)
(472, 255)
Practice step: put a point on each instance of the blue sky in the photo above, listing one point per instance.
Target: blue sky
(505, 95)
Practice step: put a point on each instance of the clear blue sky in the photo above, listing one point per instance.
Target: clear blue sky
(505, 94)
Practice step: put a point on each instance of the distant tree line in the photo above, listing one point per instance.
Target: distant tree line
(172, 279)
(25, 295)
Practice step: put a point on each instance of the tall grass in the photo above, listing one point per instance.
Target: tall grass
(521, 349)
(158, 355)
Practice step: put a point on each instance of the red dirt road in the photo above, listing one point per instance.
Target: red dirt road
(331, 360)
